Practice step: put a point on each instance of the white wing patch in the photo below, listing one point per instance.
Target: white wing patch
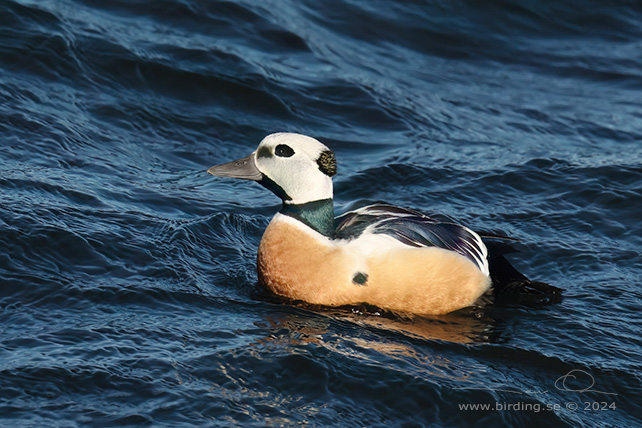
(414, 229)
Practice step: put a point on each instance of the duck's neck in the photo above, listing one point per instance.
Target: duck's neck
(319, 215)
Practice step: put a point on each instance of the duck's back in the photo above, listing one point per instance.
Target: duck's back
(376, 268)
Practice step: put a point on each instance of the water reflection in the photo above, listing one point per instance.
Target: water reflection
(468, 326)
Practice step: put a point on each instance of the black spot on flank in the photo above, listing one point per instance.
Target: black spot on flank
(327, 163)
(283, 151)
(360, 278)
(264, 152)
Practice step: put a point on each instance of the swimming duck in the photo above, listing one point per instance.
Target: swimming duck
(390, 257)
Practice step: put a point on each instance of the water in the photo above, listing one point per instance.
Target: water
(129, 293)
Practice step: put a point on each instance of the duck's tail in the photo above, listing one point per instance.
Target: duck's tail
(509, 285)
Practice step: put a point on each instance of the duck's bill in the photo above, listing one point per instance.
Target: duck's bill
(243, 168)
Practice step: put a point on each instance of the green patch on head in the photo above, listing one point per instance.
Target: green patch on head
(327, 163)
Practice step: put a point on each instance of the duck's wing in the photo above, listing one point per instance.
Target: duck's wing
(413, 229)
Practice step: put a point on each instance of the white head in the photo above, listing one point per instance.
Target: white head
(295, 167)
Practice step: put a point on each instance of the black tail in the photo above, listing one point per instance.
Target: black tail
(509, 285)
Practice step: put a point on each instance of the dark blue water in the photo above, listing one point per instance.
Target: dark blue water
(128, 291)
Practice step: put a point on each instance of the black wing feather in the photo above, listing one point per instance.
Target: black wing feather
(412, 228)
(416, 229)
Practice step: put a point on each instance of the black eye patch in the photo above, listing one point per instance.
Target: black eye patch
(283, 151)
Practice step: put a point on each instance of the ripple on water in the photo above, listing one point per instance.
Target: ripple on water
(128, 290)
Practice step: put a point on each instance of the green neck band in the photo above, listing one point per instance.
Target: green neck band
(319, 215)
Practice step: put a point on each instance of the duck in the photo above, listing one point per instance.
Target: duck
(394, 258)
